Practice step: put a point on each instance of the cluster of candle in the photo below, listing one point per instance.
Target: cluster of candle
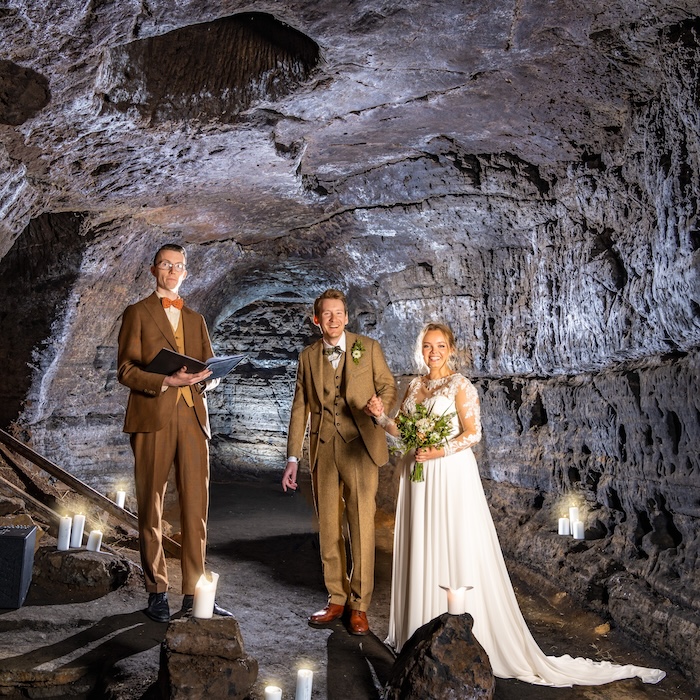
(305, 679)
(572, 525)
(70, 534)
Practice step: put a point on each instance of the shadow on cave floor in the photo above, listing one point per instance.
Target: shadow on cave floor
(263, 544)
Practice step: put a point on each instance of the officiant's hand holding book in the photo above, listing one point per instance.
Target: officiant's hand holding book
(168, 362)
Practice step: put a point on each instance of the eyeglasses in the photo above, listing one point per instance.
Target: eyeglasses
(165, 265)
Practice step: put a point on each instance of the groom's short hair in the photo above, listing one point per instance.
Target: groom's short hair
(329, 294)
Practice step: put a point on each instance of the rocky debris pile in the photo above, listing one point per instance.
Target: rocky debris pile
(202, 659)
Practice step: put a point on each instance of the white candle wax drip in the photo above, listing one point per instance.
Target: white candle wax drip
(204, 595)
(305, 679)
(64, 528)
(76, 536)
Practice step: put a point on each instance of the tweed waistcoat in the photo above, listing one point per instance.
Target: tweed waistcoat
(337, 417)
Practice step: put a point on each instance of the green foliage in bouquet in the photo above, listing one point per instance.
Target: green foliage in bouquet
(421, 429)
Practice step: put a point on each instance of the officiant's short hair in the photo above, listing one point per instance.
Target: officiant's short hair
(175, 247)
(329, 294)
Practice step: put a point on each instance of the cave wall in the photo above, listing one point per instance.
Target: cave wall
(564, 253)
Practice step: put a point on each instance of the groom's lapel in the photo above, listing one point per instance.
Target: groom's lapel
(350, 339)
(317, 359)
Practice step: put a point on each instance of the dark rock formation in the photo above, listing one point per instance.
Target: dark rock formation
(78, 575)
(527, 172)
(442, 661)
(205, 659)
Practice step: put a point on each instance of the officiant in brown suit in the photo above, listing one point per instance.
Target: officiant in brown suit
(168, 422)
(336, 378)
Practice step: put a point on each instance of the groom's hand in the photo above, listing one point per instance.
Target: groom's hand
(289, 478)
(374, 407)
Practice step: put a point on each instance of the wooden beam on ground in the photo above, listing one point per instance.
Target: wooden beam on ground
(80, 487)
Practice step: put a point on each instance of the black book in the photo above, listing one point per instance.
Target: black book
(168, 362)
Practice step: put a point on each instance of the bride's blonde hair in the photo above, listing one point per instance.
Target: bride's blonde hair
(449, 337)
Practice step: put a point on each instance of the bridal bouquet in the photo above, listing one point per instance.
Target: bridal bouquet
(421, 429)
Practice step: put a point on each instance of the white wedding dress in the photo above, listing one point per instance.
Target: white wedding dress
(445, 536)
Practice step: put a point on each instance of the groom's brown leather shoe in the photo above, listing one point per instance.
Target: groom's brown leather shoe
(331, 612)
(358, 622)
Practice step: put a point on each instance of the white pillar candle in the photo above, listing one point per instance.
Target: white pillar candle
(564, 526)
(121, 498)
(204, 596)
(94, 540)
(573, 515)
(64, 528)
(305, 679)
(456, 599)
(578, 530)
(76, 535)
(272, 692)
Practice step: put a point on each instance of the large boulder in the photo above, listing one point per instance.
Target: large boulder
(442, 661)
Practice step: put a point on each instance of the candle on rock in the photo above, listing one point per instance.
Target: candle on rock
(204, 595)
(456, 599)
(272, 692)
(121, 498)
(578, 532)
(76, 535)
(305, 679)
(64, 528)
(564, 528)
(94, 541)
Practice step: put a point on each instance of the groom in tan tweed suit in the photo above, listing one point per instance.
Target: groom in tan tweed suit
(337, 376)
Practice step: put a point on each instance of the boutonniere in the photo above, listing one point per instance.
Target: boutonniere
(356, 351)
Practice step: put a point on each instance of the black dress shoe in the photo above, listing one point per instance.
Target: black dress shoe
(188, 602)
(158, 609)
(222, 612)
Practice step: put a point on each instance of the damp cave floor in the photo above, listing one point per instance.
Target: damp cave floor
(263, 544)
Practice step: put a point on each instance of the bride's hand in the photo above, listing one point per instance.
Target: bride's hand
(423, 454)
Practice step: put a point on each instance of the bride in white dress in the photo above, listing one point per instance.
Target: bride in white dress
(445, 536)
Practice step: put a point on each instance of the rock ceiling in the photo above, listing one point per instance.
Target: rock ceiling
(226, 124)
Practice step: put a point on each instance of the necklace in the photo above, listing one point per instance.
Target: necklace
(435, 383)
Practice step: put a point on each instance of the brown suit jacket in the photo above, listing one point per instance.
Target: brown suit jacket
(144, 332)
(371, 375)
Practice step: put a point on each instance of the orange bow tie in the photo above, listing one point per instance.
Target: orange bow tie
(177, 303)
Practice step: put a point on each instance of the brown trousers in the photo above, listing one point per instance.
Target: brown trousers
(181, 442)
(345, 482)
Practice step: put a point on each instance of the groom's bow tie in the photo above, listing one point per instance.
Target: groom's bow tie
(336, 349)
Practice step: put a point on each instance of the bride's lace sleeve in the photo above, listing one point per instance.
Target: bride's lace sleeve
(467, 404)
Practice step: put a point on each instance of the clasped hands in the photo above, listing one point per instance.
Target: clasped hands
(374, 407)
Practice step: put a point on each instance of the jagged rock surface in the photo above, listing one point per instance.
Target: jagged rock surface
(527, 172)
(442, 661)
